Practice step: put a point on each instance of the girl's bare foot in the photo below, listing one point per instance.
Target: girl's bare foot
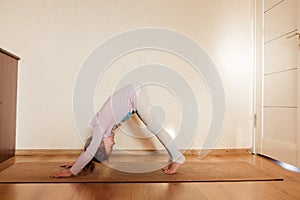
(166, 167)
(171, 168)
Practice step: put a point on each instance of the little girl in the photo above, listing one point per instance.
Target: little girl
(118, 108)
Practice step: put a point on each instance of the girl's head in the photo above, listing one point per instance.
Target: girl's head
(104, 150)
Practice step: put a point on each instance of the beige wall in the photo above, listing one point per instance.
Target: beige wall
(53, 38)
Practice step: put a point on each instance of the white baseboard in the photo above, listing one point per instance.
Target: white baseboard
(48, 152)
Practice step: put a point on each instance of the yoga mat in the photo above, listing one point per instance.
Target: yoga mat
(38, 172)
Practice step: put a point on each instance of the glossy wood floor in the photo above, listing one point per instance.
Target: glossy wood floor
(287, 189)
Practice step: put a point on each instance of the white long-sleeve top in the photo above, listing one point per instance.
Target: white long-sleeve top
(118, 105)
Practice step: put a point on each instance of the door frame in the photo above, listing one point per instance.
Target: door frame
(298, 89)
(258, 59)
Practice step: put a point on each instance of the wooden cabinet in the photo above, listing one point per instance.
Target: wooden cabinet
(8, 103)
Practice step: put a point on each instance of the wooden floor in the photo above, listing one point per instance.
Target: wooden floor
(287, 189)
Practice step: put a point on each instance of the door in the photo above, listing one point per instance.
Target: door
(8, 95)
(279, 135)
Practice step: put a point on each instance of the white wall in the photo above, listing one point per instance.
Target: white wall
(53, 39)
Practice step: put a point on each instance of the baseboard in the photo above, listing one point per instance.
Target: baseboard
(220, 151)
(49, 152)
(46, 152)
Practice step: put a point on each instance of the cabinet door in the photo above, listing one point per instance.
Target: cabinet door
(8, 97)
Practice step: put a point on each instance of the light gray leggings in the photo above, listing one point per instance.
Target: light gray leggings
(143, 110)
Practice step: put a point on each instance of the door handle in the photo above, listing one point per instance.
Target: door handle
(293, 35)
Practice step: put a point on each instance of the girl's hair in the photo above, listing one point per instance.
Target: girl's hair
(89, 167)
(99, 157)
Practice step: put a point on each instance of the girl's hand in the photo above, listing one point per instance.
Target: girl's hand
(62, 174)
(67, 165)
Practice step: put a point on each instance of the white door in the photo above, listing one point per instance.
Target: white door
(298, 86)
(280, 103)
